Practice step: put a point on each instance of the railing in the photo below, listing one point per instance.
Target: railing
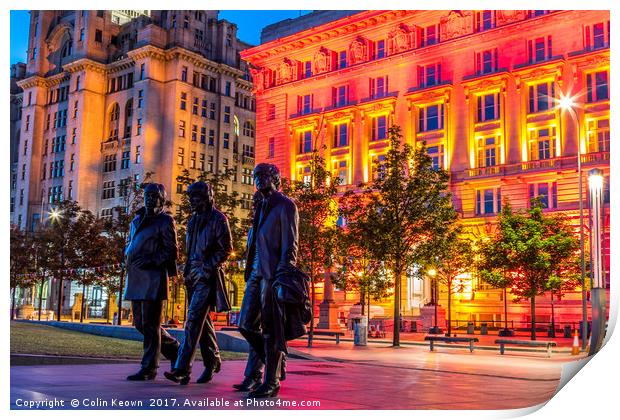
(595, 157)
(247, 160)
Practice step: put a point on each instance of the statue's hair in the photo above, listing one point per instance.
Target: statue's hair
(272, 170)
(201, 187)
(158, 188)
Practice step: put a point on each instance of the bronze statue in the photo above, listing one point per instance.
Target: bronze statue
(151, 255)
(208, 243)
(272, 246)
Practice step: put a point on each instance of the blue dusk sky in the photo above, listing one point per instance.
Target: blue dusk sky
(249, 23)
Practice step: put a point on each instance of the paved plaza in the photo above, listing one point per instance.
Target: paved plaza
(329, 376)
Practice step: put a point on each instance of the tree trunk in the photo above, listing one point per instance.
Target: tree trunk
(107, 312)
(120, 295)
(311, 332)
(449, 309)
(363, 301)
(533, 312)
(505, 309)
(552, 316)
(60, 281)
(83, 303)
(41, 298)
(397, 274)
(13, 304)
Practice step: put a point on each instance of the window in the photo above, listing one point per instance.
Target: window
(340, 96)
(75, 109)
(596, 36)
(140, 98)
(210, 164)
(25, 147)
(184, 74)
(98, 36)
(72, 163)
(305, 141)
(307, 69)
(485, 20)
(108, 190)
(248, 129)
(195, 106)
(192, 160)
(429, 35)
(487, 152)
(539, 49)
(227, 89)
(227, 114)
(379, 49)
(181, 128)
(81, 38)
(138, 155)
(487, 61)
(547, 192)
(341, 135)
(109, 163)
(341, 172)
(436, 153)
(377, 167)
(271, 147)
(181, 156)
(342, 59)
(379, 128)
(378, 87)
(27, 123)
(542, 143)
(203, 135)
(211, 137)
(203, 108)
(304, 104)
(598, 87)
(429, 75)
(139, 126)
(73, 135)
(430, 117)
(271, 112)
(142, 70)
(34, 54)
(212, 111)
(194, 132)
(598, 135)
(47, 122)
(125, 159)
(183, 104)
(202, 162)
(70, 191)
(488, 201)
(488, 105)
(226, 141)
(541, 96)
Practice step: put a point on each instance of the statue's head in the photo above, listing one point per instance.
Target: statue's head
(266, 177)
(154, 196)
(200, 196)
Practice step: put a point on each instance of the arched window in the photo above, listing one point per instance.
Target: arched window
(66, 49)
(113, 119)
(248, 129)
(128, 119)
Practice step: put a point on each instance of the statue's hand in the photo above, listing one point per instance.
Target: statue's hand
(198, 271)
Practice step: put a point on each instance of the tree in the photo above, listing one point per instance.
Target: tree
(537, 248)
(22, 263)
(409, 206)
(452, 256)
(318, 214)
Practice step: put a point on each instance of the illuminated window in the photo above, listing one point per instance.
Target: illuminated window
(271, 112)
(202, 162)
(203, 108)
(488, 107)
(181, 156)
(542, 143)
(377, 168)
(271, 147)
(598, 135)
(304, 104)
(379, 128)
(541, 97)
(598, 86)
(341, 172)
(539, 49)
(485, 20)
(211, 137)
(379, 49)
(547, 192)
(305, 141)
(429, 75)
(203, 135)
(125, 159)
(183, 104)
(341, 135)
(181, 128)
(488, 201)
(596, 36)
(307, 69)
(487, 61)
(430, 117)
(140, 98)
(488, 152)
(195, 106)
(194, 132)
(304, 174)
(138, 157)
(429, 35)
(139, 126)
(436, 155)
(192, 160)
(378, 87)
(342, 59)
(210, 164)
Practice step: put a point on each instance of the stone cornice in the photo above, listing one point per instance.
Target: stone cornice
(148, 51)
(33, 81)
(85, 64)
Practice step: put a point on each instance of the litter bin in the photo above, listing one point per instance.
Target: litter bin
(470, 328)
(484, 329)
(414, 326)
(550, 331)
(568, 331)
(360, 331)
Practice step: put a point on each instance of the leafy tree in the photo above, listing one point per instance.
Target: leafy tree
(318, 214)
(409, 207)
(537, 249)
(22, 263)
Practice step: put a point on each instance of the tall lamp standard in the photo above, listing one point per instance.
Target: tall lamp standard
(595, 183)
(568, 104)
(432, 273)
(56, 215)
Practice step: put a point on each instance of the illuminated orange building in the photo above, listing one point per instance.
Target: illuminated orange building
(479, 87)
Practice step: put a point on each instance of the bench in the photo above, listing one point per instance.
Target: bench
(330, 333)
(433, 338)
(525, 343)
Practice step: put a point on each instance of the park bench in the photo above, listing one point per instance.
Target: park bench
(330, 333)
(433, 338)
(525, 343)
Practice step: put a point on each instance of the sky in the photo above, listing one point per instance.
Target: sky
(249, 24)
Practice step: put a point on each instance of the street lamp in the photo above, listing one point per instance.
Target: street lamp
(567, 103)
(55, 215)
(432, 273)
(595, 183)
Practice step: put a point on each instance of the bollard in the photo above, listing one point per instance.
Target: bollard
(470, 328)
(567, 331)
(484, 329)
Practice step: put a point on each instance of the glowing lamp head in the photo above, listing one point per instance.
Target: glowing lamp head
(566, 102)
(595, 179)
(54, 214)
(360, 273)
(432, 272)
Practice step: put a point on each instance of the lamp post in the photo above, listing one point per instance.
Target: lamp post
(55, 215)
(595, 183)
(567, 103)
(432, 273)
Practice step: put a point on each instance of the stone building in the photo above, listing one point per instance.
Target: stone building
(479, 87)
(18, 72)
(111, 95)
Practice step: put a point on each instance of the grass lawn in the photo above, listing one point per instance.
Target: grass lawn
(29, 338)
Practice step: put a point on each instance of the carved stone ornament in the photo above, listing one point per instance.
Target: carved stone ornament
(320, 60)
(503, 17)
(357, 51)
(399, 39)
(457, 23)
(286, 71)
(258, 79)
